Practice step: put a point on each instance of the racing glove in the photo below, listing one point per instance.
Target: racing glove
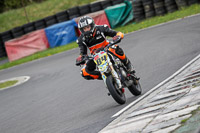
(80, 61)
(116, 39)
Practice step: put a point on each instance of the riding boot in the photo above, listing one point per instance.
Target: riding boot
(128, 65)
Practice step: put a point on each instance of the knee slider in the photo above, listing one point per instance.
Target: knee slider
(86, 76)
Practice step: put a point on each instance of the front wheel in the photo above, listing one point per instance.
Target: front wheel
(135, 88)
(116, 93)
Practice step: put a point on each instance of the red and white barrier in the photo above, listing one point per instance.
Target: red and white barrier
(26, 45)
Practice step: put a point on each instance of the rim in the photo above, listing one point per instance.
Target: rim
(119, 91)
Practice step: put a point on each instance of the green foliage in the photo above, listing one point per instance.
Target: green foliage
(14, 4)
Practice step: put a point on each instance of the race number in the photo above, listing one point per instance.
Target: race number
(101, 60)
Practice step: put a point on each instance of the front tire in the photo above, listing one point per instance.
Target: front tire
(117, 95)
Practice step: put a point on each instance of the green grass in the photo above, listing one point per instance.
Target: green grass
(36, 11)
(184, 121)
(7, 84)
(3, 58)
(194, 9)
(193, 113)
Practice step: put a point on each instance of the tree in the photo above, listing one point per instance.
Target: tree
(23, 5)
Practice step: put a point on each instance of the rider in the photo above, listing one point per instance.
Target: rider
(93, 37)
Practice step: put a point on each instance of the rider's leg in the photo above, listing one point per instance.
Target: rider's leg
(88, 71)
(121, 55)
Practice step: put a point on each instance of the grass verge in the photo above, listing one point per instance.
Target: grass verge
(187, 11)
(7, 84)
(3, 58)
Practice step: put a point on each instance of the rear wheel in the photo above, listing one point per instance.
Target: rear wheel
(135, 88)
(116, 93)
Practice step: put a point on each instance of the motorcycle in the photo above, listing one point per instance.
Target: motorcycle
(114, 74)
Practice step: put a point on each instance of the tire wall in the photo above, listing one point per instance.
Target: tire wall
(143, 9)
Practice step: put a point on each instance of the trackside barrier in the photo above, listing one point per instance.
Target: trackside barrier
(2, 49)
(5, 36)
(99, 17)
(95, 6)
(141, 9)
(115, 2)
(120, 14)
(61, 34)
(148, 8)
(26, 45)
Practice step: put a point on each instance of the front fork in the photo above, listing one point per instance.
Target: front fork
(114, 74)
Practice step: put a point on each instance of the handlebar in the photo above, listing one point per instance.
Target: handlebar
(113, 42)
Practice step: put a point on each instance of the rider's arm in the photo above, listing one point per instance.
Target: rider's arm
(109, 32)
(82, 46)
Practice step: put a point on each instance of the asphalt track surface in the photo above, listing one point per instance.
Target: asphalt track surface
(58, 100)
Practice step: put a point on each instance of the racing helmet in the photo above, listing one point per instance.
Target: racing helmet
(85, 21)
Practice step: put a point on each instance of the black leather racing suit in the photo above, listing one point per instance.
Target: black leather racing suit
(98, 40)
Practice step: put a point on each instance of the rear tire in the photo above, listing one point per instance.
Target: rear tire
(136, 90)
(118, 96)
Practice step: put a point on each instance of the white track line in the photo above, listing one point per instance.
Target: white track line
(156, 87)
